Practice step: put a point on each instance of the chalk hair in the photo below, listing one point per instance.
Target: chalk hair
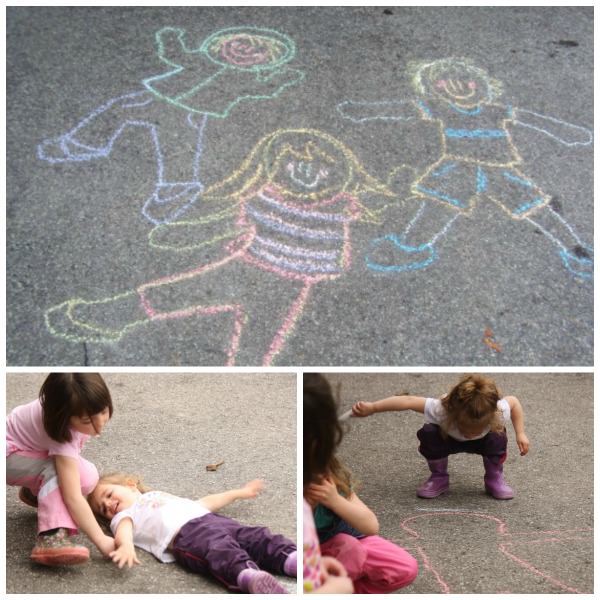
(422, 73)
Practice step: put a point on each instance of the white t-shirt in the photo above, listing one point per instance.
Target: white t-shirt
(25, 431)
(435, 413)
(157, 518)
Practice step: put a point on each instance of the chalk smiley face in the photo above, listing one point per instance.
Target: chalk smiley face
(457, 82)
(308, 168)
(466, 89)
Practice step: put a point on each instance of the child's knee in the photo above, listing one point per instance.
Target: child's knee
(88, 476)
(410, 570)
(348, 550)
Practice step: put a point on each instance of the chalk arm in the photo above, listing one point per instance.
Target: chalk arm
(392, 110)
(561, 131)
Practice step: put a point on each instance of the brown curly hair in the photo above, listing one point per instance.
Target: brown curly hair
(473, 401)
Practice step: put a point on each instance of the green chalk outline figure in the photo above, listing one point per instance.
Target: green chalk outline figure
(235, 56)
(476, 148)
(231, 66)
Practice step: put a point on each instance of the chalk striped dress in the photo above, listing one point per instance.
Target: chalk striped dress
(307, 241)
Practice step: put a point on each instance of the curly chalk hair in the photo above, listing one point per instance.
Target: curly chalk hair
(423, 73)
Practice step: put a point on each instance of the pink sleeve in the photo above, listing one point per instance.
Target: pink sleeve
(312, 553)
(70, 449)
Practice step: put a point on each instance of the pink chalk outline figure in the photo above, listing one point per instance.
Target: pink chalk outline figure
(503, 539)
(285, 215)
(231, 66)
(478, 160)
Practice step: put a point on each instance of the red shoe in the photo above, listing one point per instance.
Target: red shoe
(57, 550)
(28, 497)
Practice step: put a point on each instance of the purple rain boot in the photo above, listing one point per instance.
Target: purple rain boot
(439, 481)
(494, 481)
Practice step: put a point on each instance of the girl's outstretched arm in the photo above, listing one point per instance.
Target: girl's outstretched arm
(364, 409)
(215, 502)
(518, 421)
(352, 509)
(70, 487)
(125, 552)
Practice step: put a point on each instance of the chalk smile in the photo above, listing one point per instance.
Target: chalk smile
(302, 174)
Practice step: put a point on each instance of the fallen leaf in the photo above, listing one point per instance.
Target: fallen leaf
(214, 466)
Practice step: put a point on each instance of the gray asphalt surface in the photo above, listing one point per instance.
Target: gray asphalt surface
(75, 229)
(465, 541)
(167, 428)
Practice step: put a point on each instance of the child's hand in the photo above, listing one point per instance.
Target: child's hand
(124, 555)
(332, 567)
(252, 488)
(334, 577)
(324, 493)
(523, 443)
(363, 409)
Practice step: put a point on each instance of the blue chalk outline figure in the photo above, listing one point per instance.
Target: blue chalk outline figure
(478, 153)
(231, 66)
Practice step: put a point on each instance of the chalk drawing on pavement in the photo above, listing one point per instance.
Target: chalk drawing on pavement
(510, 544)
(286, 212)
(478, 160)
(231, 66)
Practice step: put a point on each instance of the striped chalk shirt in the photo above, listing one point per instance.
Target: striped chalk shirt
(300, 240)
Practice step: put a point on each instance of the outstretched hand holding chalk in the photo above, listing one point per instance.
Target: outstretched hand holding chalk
(363, 409)
(345, 416)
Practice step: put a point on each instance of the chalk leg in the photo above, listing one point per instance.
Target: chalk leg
(172, 133)
(413, 249)
(94, 136)
(104, 321)
(577, 257)
(178, 185)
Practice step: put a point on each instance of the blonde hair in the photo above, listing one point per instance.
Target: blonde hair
(118, 478)
(342, 477)
(474, 400)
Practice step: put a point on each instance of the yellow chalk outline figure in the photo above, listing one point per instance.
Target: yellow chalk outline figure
(445, 81)
(225, 205)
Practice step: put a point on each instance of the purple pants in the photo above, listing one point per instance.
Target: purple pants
(219, 546)
(434, 446)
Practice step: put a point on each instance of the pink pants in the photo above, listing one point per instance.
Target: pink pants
(375, 565)
(37, 472)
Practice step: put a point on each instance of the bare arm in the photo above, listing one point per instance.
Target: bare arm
(215, 502)
(125, 552)
(364, 409)
(352, 509)
(80, 511)
(518, 421)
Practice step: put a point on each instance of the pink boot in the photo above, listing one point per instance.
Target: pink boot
(439, 481)
(494, 480)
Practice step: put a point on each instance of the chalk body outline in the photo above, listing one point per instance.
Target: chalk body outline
(553, 226)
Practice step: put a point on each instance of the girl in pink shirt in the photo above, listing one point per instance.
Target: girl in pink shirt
(44, 439)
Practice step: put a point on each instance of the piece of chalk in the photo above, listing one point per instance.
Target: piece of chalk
(345, 416)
